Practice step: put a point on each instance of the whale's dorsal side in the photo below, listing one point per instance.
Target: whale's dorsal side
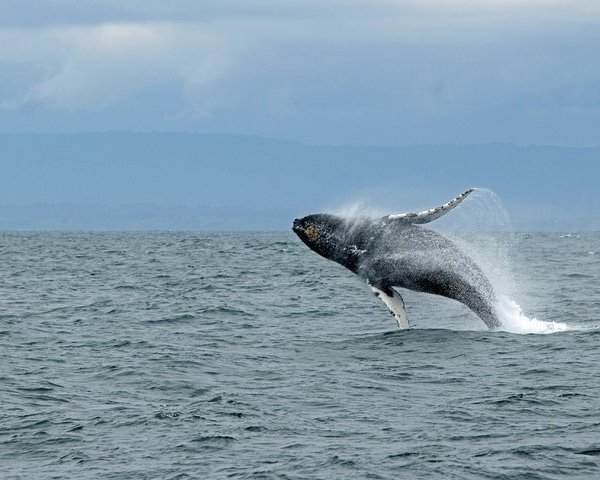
(427, 216)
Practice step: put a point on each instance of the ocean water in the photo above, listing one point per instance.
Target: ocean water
(194, 355)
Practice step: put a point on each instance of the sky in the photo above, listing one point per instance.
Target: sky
(376, 72)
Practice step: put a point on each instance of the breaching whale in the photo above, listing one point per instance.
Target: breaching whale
(396, 251)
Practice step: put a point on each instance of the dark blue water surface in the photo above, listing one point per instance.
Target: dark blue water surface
(186, 355)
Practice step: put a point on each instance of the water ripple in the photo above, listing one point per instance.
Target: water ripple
(183, 355)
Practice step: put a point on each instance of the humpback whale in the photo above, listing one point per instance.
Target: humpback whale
(396, 251)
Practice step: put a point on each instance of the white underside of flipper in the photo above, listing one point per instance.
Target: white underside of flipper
(427, 216)
(395, 305)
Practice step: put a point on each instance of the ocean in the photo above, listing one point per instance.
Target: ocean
(178, 355)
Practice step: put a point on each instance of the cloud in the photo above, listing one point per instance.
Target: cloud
(370, 71)
(95, 67)
(69, 12)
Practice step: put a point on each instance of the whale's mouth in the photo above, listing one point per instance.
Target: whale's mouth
(296, 226)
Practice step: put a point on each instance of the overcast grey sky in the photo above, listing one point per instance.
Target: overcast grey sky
(353, 71)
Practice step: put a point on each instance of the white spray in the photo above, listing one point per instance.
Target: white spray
(482, 228)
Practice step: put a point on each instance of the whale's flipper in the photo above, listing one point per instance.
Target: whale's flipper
(427, 216)
(393, 301)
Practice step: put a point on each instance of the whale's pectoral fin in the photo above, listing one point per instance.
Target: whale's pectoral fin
(393, 301)
(427, 216)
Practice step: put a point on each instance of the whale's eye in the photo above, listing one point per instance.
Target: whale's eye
(312, 233)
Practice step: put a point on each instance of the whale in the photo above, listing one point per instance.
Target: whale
(397, 252)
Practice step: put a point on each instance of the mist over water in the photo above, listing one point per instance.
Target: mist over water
(358, 209)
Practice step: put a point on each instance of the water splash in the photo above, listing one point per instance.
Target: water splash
(484, 231)
(482, 228)
(514, 320)
(356, 210)
(482, 211)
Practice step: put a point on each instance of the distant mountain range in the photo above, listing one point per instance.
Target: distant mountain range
(181, 181)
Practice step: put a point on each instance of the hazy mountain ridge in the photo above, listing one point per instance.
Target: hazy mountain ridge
(130, 181)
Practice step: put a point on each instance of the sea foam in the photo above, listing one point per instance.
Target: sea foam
(514, 320)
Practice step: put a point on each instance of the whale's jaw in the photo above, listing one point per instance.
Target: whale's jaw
(297, 227)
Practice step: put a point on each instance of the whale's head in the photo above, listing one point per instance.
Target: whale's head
(322, 233)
